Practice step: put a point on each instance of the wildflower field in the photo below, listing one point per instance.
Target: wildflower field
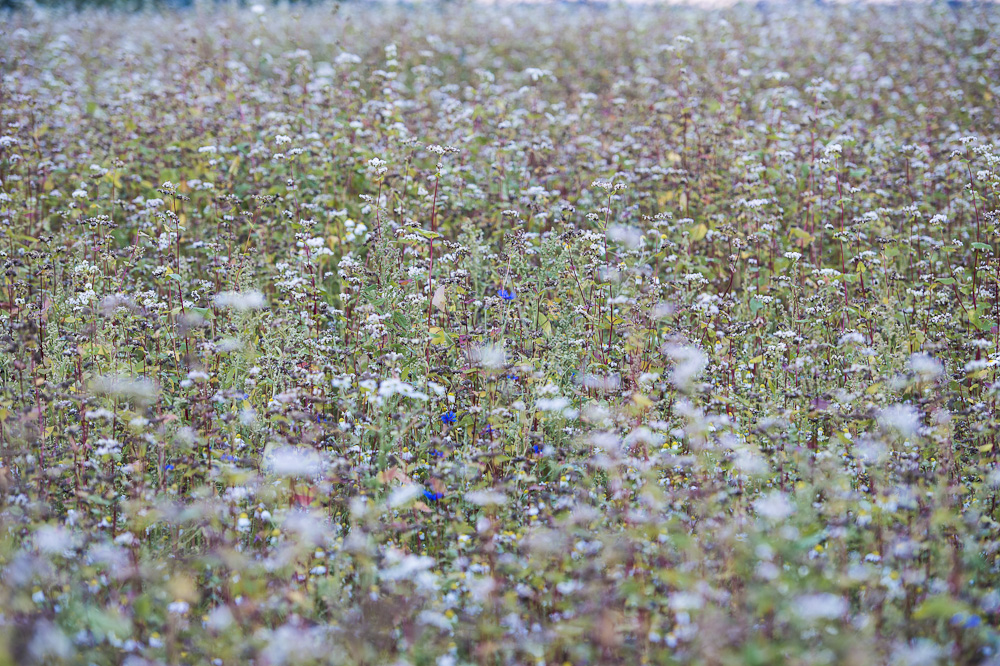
(448, 334)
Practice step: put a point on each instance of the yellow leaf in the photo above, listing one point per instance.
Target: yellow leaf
(641, 400)
(439, 301)
(698, 232)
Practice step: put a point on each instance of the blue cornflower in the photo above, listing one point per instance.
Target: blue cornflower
(433, 497)
(507, 295)
(436, 454)
(168, 467)
(537, 448)
(970, 622)
(448, 417)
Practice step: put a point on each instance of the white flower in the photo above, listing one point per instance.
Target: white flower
(922, 652)
(138, 389)
(179, 607)
(404, 566)
(245, 300)
(690, 363)
(404, 495)
(904, 419)
(294, 461)
(54, 540)
(630, 237)
(485, 497)
(774, 506)
(347, 59)
(926, 367)
(552, 404)
(823, 606)
(125, 539)
(491, 356)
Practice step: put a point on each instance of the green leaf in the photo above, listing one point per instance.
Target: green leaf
(428, 234)
(939, 607)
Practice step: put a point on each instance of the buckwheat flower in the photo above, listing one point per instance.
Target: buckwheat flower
(975, 366)
(101, 413)
(49, 644)
(609, 382)
(921, 652)
(490, 356)
(904, 419)
(403, 566)
(824, 606)
(690, 362)
(485, 498)
(535, 73)
(552, 404)
(774, 506)
(346, 58)
(404, 495)
(282, 139)
(237, 300)
(630, 237)
(289, 461)
(849, 338)
(139, 389)
(55, 540)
